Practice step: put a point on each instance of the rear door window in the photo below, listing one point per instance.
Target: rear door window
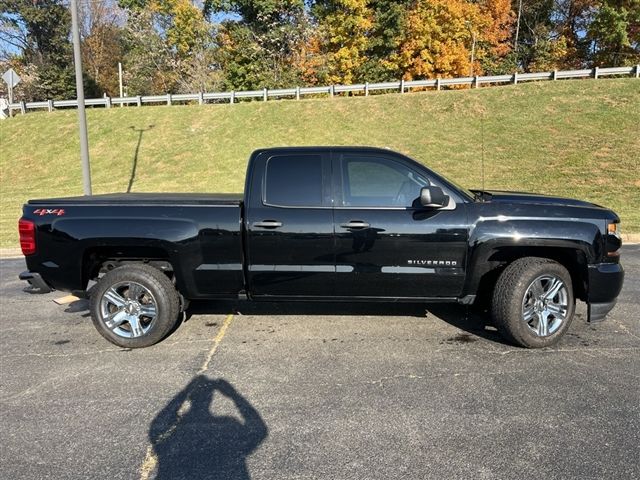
(294, 181)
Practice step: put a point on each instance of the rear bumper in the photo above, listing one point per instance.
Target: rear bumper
(605, 284)
(36, 283)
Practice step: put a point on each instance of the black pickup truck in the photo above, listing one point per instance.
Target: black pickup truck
(327, 223)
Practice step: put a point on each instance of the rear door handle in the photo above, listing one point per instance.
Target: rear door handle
(355, 224)
(268, 224)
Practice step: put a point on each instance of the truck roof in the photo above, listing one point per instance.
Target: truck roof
(316, 148)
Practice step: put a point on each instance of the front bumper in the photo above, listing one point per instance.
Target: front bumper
(597, 312)
(605, 284)
(36, 283)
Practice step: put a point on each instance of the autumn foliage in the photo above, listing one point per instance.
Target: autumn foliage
(176, 46)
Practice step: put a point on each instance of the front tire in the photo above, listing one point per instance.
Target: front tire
(134, 306)
(533, 302)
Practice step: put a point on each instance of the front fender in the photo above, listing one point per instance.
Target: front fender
(495, 242)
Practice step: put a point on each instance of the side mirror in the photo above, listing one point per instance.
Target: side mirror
(433, 197)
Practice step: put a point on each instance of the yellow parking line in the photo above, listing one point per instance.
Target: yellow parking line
(150, 459)
(216, 342)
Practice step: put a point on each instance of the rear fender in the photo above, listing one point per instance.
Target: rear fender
(72, 242)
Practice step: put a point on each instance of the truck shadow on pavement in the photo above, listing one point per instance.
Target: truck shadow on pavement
(471, 320)
(191, 442)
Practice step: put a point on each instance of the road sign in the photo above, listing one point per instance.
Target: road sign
(11, 78)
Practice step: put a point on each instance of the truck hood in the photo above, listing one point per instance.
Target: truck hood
(531, 198)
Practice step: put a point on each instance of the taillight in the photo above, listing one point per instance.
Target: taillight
(27, 231)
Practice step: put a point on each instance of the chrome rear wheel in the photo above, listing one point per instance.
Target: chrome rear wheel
(128, 309)
(134, 306)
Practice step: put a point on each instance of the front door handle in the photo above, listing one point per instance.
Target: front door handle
(355, 224)
(268, 224)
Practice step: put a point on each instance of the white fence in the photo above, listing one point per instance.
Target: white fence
(298, 92)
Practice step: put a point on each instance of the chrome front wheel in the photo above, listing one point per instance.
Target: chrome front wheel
(545, 305)
(533, 302)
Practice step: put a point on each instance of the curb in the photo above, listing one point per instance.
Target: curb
(8, 253)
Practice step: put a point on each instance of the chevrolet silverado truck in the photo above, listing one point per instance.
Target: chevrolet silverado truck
(327, 223)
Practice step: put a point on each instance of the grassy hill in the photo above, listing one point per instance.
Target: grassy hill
(572, 138)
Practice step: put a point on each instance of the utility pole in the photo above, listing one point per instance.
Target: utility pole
(515, 46)
(120, 79)
(473, 46)
(10, 84)
(10, 92)
(473, 54)
(82, 116)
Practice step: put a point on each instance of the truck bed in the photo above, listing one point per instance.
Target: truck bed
(146, 199)
(199, 234)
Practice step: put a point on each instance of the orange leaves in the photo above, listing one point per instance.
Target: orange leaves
(441, 35)
(496, 30)
(352, 41)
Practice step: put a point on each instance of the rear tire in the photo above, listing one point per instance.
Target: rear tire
(134, 306)
(533, 302)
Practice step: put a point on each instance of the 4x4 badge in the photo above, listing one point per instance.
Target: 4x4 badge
(48, 211)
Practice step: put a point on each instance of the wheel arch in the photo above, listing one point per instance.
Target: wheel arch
(488, 267)
(98, 259)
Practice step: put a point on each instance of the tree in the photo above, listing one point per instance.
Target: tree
(149, 64)
(386, 35)
(571, 19)
(184, 25)
(40, 30)
(495, 45)
(548, 52)
(181, 24)
(615, 33)
(540, 44)
(343, 27)
(263, 46)
(442, 36)
(168, 48)
(102, 47)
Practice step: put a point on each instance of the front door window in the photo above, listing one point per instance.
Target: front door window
(372, 181)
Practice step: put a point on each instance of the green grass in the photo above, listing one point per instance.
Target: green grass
(572, 138)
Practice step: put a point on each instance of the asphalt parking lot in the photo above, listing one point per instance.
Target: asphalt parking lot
(308, 391)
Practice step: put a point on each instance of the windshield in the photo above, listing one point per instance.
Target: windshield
(465, 191)
(460, 188)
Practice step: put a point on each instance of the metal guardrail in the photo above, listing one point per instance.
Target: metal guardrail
(402, 86)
